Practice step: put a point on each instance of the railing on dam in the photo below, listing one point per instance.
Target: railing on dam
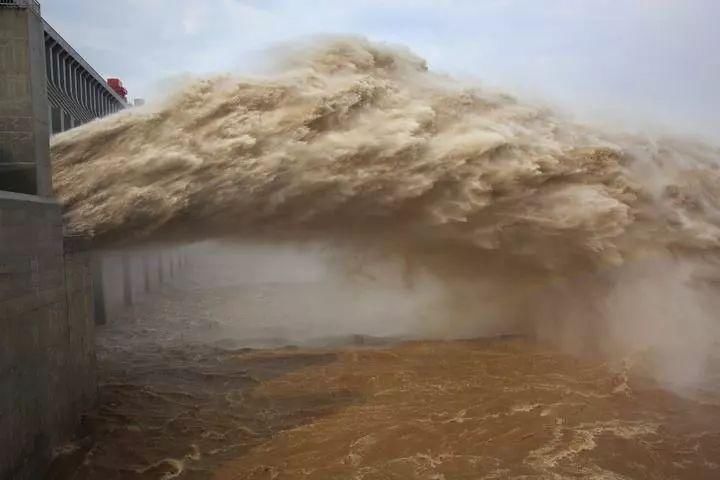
(32, 4)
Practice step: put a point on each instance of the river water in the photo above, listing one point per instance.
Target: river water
(235, 371)
(496, 217)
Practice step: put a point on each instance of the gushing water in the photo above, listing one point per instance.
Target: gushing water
(526, 221)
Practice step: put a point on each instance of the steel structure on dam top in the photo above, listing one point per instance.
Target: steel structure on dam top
(77, 93)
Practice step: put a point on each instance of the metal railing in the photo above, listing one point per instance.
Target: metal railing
(34, 5)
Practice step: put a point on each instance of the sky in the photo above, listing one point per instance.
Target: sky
(647, 64)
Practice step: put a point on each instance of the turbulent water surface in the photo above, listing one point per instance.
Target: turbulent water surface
(485, 215)
(201, 381)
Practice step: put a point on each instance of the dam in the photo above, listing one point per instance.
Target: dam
(349, 268)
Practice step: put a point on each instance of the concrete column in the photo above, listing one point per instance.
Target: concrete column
(58, 57)
(172, 266)
(127, 279)
(73, 79)
(98, 290)
(86, 90)
(161, 273)
(24, 131)
(71, 75)
(146, 273)
(63, 67)
(68, 75)
(83, 89)
(56, 66)
(93, 104)
(78, 82)
(61, 62)
(48, 61)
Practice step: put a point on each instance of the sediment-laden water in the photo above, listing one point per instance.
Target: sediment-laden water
(221, 378)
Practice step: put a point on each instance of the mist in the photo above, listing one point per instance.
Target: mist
(474, 213)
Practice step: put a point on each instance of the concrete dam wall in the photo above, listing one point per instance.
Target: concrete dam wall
(47, 353)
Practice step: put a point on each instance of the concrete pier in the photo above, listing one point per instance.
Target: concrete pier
(127, 284)
(98, 291)
(146, 274)
(47, 352)
(122, 279)
(24, 113)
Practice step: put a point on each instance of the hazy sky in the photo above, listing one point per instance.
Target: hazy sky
(656, 61)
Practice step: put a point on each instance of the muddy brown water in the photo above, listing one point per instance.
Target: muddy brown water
(181, 397)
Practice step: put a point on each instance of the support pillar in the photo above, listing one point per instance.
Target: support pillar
(98, 290)
(161, 274)
(24, 130)
(146, 273)
(127, 280)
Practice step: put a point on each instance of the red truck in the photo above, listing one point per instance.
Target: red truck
(117, 85)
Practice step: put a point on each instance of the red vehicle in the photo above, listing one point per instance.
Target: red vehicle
(117, 85)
